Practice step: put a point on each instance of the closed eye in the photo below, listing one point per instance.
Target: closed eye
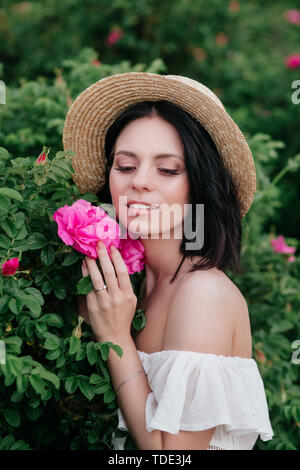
(126, 169)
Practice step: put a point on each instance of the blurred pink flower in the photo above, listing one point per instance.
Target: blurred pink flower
(234, 6)
(292, 16)
(291, 258)
(82, 225)
(279, 245)
(96, 62)
(293, 61)
(113, 37)
(10, 267)
(221, 39)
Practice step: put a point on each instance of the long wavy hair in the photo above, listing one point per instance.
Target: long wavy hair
(210, 184)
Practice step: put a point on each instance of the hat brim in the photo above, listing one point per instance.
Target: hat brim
(97, 107)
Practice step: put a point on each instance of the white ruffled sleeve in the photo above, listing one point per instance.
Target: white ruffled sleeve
(194, 391)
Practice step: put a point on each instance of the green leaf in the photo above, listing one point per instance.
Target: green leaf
(52, 355)
(71, 258)
(40, 328)
(4, 205)
(13, 344)
(59, 291)
(100, 389)
(9, 227)
(61, 361)
(84, 285)
(6, 442)
(22, 245)
(91, 353)
(47, 255)
(20, 445)
(15, 305)
(96, 379)
(21, 383)
(75, 345)
(33, 305)
(36, 294)
(117, 349)
(52, 342)
(19, 219)
(16, 397)
(81, 353)
(47, 375)
(71, 384)
(281, 326)
(36, 241)
(5, 242)
(52, 319)
(46, 287)
(109, 396)
(11, 193)
(22, 234)
(3, 302)
(14, 364)
(12, 417)
(87, 389)
(37, 383)
(4, 155)
(32, 413)
(104, 350)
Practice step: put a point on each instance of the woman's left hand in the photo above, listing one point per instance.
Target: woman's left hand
(111, 310)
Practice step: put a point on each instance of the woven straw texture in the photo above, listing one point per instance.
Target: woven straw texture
(96, 108)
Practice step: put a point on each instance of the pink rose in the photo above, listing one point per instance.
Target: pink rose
(279, 245)
(10, 267)
(82, 225)
(292, 16)
(293, 61)
(132, 252)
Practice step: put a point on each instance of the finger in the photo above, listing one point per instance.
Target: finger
(107, 268)
(121, 270)
(84, 269)
(96, 277)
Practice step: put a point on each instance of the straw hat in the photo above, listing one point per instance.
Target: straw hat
(96, 108)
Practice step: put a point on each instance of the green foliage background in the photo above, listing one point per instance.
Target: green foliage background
(55, 389)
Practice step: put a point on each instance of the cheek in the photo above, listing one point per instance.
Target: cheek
(116, 189)
(179, 191)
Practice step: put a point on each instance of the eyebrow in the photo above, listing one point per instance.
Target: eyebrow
(160, 155)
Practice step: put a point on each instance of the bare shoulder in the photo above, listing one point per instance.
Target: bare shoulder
(212, 312)
(215, 283)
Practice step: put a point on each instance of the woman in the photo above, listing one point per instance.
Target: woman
(187, 380)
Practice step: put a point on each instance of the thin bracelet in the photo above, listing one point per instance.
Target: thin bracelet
(129, 378)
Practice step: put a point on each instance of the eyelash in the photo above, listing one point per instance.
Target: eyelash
(125, 169)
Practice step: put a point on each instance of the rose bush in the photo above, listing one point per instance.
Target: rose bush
(55, 373)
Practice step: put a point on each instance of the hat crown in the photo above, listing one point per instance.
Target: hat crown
(198, 86)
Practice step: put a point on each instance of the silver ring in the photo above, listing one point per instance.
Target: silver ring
(103, 287)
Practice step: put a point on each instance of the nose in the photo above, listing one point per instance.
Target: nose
(143, 179)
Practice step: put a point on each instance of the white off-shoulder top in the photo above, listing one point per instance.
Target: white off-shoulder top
(194, 391)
